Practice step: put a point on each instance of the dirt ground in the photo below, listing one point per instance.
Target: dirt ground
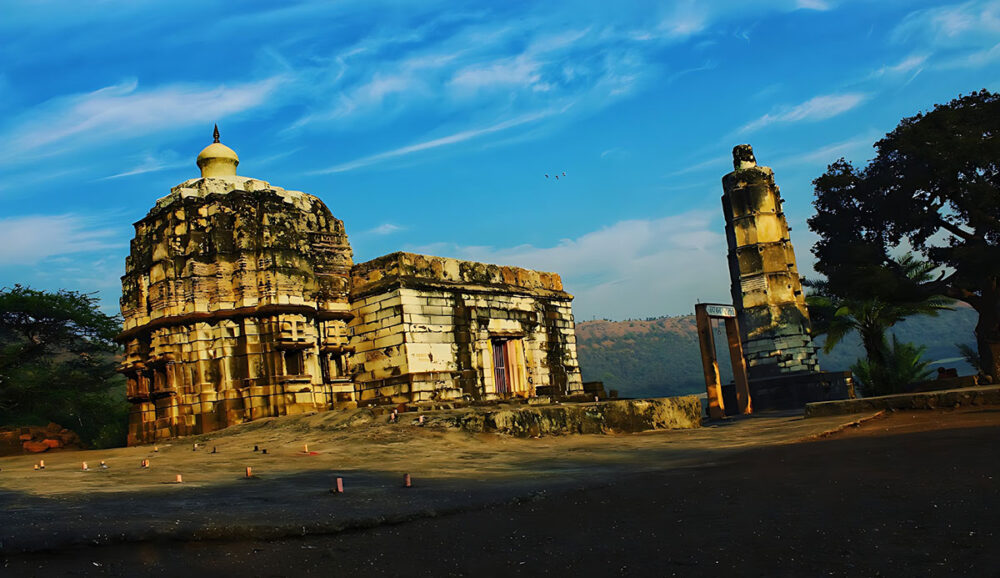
(905, 494)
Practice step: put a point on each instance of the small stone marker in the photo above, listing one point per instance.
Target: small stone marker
(406, 481)
(180, 480)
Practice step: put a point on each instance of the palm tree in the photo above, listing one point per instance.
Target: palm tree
(971, 355)
(872, 316)
(900, 366)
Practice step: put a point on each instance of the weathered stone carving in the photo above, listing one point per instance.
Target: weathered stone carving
(766, 288)
(238, 304)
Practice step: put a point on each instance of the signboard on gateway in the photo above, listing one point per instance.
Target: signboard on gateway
(720, 310)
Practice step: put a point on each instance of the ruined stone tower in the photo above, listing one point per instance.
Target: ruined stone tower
(235, 304)
(766, 288)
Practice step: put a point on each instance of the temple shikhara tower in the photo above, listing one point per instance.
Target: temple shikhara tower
(241, 300)
(766, 288)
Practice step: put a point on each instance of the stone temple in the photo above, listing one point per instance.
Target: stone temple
(241, 300)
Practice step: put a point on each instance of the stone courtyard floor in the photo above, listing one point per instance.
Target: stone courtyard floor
(903, 493)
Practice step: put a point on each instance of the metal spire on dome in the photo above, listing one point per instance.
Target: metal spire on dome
(215, 133)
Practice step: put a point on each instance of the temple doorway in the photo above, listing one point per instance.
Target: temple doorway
(509, 370)
(501, 363)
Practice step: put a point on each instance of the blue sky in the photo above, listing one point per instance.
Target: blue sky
(429, 126)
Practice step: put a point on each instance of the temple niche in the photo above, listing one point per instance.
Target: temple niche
(241, 301)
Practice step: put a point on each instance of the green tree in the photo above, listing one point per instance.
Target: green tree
(934, 184)
(57, 363)
(871, 315)
(971, 356)
(900, 365)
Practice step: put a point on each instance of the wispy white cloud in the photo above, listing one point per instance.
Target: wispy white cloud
(687, 19)
(974, 59)
(707, 65)
(30, 239)
(715, 163)
(386, 229)
(480, 71)
(820, 5)
(122, 111)
(851, 148)
(626, 269)
(815, 109)
(517, 71)
(434, 143)
(412, 77)
(481, 65)
(910, 64)
(961, 24)
(682, 20)
(152, 163)
(965, 35)
(614, 153)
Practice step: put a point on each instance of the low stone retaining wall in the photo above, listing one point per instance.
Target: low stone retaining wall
(617, 416)
(968, 396)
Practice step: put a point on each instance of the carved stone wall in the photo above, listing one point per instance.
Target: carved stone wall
(235, 300)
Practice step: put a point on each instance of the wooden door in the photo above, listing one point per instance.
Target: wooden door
(501, 368)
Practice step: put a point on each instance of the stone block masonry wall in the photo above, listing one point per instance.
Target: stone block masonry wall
(439, 321)
(766, 288)
(379, 362)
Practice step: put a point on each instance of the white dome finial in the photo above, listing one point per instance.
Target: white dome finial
(217, 160)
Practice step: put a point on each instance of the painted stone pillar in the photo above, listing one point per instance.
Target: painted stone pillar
(766, 288)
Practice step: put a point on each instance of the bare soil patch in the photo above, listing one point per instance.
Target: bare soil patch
(908, 494)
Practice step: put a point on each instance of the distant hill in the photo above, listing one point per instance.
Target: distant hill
(659, 357)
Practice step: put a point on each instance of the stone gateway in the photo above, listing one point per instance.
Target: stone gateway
(241, 300)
